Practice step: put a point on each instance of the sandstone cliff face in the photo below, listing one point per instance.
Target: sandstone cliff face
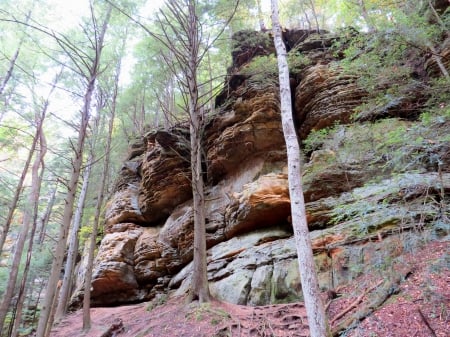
(147, 247)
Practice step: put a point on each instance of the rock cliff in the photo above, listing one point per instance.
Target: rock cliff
(363, 210)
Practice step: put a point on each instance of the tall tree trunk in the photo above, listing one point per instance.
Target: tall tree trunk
(34, 197)
(45, 319)
(318, 325)
(27, 219)
(199, 286)
(98, 208)
(67, 215)
(73, 244)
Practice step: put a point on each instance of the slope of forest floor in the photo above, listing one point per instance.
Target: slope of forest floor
(410, 299)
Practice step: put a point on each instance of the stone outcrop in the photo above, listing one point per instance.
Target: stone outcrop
(325, 96)
(147, 247)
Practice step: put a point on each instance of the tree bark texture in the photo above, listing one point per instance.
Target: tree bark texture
(315, 311)
(199, 287)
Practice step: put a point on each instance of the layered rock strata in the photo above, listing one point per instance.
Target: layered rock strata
(147, 247)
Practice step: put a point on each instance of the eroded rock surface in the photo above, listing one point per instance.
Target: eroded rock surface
(148, 243)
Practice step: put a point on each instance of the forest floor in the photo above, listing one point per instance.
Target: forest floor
(412, 299)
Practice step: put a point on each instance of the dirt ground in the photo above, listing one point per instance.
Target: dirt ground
(412, 299)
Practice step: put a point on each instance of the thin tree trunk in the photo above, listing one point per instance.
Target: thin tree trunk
(45, 218)
(12, 62)
(67, 215)
(313, 9)
(73, 244)
(27, 218)
(262, 26)
(45, 320)
(317, 320)
(199, 286)
(211, 87)
(98, 208)
(36, 188)
(302, 6)
(18, 193)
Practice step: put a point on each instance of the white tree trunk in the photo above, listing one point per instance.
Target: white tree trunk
(318, 325)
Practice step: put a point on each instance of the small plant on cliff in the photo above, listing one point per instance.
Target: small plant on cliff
(250, 39)
(262, 72)
(297, 61)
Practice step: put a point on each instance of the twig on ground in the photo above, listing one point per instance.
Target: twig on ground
(433, 333)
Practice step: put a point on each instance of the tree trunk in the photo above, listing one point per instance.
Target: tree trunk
(73, 244)
(199, 286)
(27, 218)
(45, 218)
(318, 325)
(67, 216)
(34, 197)
(12, 62)
(98, 208)
(45, 319)
(313, 10)
(262, 26)
(18, 193)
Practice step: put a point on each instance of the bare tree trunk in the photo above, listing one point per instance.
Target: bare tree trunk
(67, 216)
(308, 21)
(211, 87)
(317, 320)
(199, 286)
(98, 208)
(186, 60)
(34, 197)
(73, 244)
(45, 218)
(17, 193)
(45, 319)
(313, 9)
(12, 62)
(27, 219)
